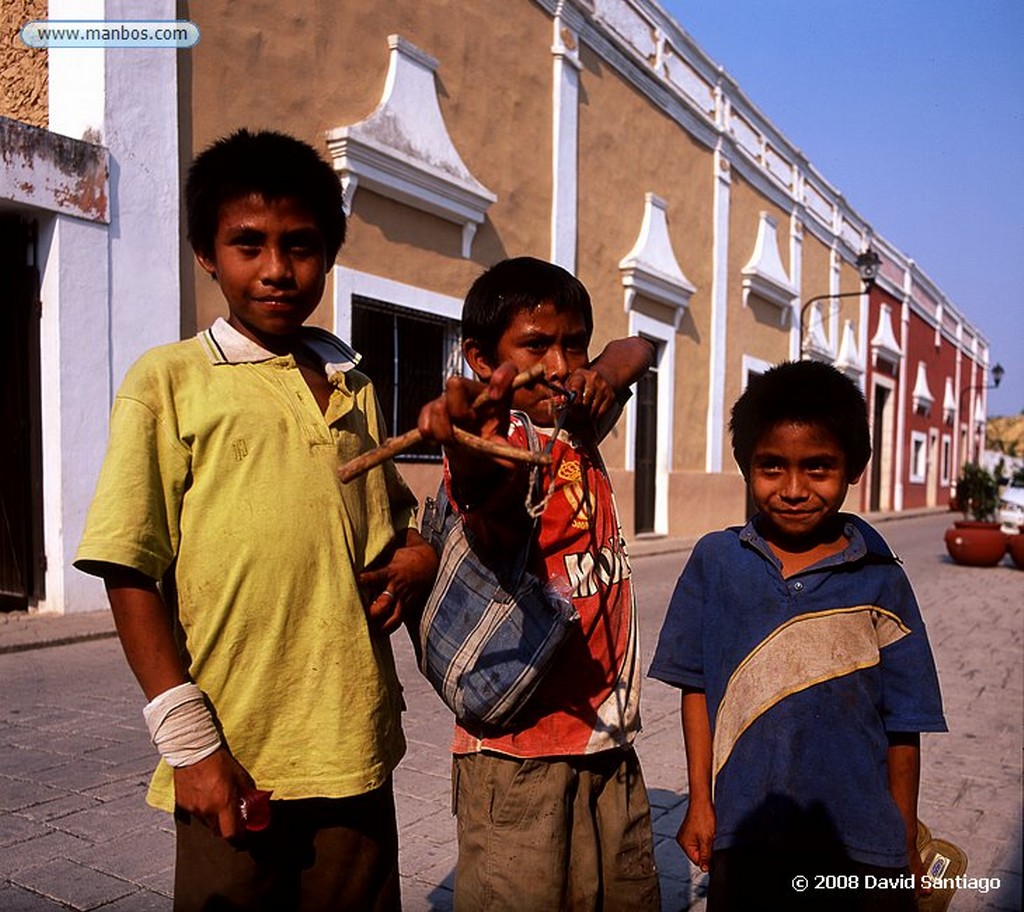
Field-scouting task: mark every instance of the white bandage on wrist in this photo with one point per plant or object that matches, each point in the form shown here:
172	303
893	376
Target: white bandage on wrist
181	726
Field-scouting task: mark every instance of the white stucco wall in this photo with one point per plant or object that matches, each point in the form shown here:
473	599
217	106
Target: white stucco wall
75	397
128	98
109	294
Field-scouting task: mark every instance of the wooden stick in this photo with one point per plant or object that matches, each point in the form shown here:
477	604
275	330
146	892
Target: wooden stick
500	450
395	445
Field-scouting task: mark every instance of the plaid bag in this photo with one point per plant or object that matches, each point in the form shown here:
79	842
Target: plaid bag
490	628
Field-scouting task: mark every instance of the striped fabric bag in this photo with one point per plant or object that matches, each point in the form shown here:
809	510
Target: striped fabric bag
490	629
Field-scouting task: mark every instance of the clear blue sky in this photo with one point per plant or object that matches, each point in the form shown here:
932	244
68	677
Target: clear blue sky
914	111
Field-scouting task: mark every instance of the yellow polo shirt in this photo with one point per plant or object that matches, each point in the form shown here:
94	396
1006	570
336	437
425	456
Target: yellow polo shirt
221	461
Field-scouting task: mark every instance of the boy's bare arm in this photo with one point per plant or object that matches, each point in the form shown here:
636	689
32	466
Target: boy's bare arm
211	788
144	627
904	762
624	361
697	832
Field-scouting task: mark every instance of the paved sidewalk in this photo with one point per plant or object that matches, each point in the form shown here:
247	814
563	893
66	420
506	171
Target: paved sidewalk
74	755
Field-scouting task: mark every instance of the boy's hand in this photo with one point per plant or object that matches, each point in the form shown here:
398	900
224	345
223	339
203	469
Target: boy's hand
401	586
455	407
475	478
697	833
595	395
211	790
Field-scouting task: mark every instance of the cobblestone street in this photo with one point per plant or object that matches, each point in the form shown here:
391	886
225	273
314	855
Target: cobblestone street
74	755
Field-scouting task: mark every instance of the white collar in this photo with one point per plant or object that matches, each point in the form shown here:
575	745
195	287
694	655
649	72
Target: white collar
224	344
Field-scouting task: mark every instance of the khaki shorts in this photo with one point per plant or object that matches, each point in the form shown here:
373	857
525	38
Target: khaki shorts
568	834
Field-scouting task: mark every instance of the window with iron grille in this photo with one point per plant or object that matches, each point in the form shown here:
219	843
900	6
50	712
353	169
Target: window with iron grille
408	354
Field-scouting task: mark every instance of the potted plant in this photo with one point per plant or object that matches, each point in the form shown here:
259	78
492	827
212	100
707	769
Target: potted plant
977	541
1015	548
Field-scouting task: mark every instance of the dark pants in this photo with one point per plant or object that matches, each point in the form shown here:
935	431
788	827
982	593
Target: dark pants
318	854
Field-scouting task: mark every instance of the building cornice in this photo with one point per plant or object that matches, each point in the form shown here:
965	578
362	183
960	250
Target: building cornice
654	54
45	170
403	150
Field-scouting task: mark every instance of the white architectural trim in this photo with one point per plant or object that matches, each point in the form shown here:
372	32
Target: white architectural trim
128	100
752	365
884	346
850	360
764	275
642	324
901	402
816	342
979	410
949	402
946	460
403	150
922	397
918	457
719	323
76	76
350	282
565	89
651	268
890	487
659	60
958	374
796	259
833	305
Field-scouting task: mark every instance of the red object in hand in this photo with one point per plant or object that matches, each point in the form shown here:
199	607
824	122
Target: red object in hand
255	808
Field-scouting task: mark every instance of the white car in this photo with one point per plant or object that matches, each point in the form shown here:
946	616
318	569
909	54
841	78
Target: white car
1011	508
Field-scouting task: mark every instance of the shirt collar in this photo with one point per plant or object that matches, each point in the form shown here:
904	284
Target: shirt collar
861	538
224	344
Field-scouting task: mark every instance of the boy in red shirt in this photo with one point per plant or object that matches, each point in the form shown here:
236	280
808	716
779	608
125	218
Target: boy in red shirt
552	813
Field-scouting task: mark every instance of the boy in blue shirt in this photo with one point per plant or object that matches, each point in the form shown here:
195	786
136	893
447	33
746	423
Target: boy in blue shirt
805	670
265	653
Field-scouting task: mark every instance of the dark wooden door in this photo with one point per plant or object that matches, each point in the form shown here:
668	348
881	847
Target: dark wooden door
646	454
878	406
21	511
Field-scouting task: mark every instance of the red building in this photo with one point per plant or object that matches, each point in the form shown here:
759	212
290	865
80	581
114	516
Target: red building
925	383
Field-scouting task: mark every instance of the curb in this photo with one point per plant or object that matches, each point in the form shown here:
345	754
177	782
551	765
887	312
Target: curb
20	632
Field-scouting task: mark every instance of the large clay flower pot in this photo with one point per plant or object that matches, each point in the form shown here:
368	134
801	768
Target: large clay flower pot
1015	547
976	547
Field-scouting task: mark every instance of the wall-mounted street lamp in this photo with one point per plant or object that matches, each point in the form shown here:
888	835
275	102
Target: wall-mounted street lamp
997	377
867	264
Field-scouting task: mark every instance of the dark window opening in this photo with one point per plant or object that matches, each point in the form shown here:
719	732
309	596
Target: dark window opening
408	355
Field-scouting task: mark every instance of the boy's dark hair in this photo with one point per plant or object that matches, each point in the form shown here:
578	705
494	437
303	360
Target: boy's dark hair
802	392
272	165
521	283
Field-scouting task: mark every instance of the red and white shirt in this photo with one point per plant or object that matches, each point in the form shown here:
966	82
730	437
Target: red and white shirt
589	700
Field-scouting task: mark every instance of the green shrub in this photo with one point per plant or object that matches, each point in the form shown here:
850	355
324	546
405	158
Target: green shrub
977	492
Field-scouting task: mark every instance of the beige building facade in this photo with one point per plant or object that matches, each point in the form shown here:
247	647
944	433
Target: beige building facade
593	133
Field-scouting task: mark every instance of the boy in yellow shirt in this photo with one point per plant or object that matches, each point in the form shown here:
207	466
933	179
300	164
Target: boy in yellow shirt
254	595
